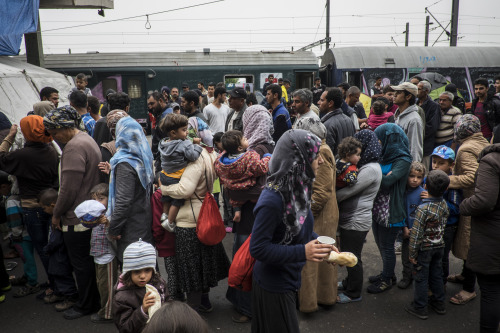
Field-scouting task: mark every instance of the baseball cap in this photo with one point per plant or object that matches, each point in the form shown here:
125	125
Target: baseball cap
238	93
444	152
409	87
174	105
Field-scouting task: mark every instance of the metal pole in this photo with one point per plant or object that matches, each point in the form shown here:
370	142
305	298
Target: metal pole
34	47
427	30
327	24
407	33
454	23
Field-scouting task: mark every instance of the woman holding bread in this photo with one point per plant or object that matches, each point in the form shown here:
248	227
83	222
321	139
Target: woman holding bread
355	206
282	236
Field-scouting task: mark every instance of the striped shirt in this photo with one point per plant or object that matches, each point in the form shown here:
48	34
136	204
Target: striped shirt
428	228
15	216
448	120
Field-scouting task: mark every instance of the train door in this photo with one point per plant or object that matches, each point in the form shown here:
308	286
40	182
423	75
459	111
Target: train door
304	80
354	78
135	87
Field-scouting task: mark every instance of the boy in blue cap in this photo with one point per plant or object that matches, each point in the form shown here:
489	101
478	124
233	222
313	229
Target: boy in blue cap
443	158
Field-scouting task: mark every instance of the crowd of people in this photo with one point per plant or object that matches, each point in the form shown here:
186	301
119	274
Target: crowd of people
84	189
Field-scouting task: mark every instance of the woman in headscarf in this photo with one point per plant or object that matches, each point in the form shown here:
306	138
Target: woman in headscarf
282	236
257	128
42	108
355	206
198	130
36	168
467	133
319	281
108	149
5	125
389	208
130	186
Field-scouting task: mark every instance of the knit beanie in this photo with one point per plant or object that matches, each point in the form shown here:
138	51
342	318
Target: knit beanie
139	255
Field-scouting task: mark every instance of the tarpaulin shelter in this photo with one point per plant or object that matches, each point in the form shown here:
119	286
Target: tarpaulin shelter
16	18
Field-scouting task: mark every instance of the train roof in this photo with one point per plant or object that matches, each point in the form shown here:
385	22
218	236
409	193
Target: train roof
411	57
175	59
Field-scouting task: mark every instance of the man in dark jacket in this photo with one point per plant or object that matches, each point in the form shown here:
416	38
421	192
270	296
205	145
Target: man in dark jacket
157	105
281	117
190	101
120	101
105	106
486	107
317	90
237	103
338	125
432	113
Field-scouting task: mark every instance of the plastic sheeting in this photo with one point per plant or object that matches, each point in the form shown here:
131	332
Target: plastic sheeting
16	18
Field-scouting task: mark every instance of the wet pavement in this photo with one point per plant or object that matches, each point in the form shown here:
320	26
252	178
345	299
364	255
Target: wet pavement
375	313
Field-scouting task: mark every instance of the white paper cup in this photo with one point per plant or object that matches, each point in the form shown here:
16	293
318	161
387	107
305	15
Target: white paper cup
326	240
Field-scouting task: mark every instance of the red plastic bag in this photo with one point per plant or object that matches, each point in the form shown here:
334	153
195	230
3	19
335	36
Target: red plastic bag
210	226
240	272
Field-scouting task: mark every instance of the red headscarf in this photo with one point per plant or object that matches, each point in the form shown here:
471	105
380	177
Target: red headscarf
33	129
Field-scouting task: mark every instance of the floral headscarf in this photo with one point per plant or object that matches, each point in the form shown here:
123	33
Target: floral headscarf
315	126
33	129
112	119
465	126
395	145
63	117
291	175
197	128
132	148
258	126
370	147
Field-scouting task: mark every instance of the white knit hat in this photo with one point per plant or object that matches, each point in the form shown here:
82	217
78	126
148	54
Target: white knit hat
139	255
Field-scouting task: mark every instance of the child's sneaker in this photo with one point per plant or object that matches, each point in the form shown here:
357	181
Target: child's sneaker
27	290
422	314
438	307
163	217
170	227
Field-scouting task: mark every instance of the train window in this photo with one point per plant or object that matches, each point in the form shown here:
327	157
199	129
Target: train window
303	80
239	80
109	84
134	88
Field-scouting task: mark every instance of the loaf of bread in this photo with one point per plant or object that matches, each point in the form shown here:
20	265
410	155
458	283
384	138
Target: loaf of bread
157	304
343	258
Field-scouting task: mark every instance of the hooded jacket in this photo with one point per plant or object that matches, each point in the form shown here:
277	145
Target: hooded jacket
412	125
484	207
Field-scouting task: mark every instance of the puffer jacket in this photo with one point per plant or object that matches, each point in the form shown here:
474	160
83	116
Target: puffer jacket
484	207
338	126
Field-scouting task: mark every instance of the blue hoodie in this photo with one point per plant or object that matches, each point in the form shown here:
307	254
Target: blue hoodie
413	200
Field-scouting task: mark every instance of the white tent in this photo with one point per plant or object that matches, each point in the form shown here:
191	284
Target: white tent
20	84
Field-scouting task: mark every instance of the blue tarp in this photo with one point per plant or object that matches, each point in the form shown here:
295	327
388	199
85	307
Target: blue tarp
16	18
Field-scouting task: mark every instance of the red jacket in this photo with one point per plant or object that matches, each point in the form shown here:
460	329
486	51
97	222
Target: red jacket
242	173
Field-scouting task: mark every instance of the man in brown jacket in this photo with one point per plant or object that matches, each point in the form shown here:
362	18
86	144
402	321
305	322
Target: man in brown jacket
79	173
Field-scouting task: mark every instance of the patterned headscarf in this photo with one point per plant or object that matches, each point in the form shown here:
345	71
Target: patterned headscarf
33	129
42	108
258	126
112	118
465	126
63	117
291	175
370	147
132	148
395	145
315	126
197	128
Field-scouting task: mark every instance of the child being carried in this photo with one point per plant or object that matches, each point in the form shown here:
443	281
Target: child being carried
176	152
349	156
238	170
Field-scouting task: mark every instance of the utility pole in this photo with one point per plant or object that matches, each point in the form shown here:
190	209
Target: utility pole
34	48
407	33
427	30
328	24
454	23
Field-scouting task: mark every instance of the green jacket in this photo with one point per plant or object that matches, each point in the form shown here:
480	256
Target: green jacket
395	183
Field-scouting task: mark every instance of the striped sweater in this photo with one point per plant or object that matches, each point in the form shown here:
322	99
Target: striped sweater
448	120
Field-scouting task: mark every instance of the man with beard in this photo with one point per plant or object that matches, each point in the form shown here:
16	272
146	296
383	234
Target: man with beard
237	103
157	106
301	103
189	102
449	117
486	107
338	125
50	94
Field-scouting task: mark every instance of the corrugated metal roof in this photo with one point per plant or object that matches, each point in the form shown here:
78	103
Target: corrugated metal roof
411	57
155	59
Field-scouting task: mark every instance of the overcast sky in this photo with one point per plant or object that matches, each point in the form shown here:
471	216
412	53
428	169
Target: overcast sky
262	25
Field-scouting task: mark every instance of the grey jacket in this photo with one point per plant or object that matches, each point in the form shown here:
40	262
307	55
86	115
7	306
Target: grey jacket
338	126
131	217
238	122
356	202
176	154
411	123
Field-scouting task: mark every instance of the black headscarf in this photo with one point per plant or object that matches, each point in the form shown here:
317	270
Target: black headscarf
371	149
292	175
